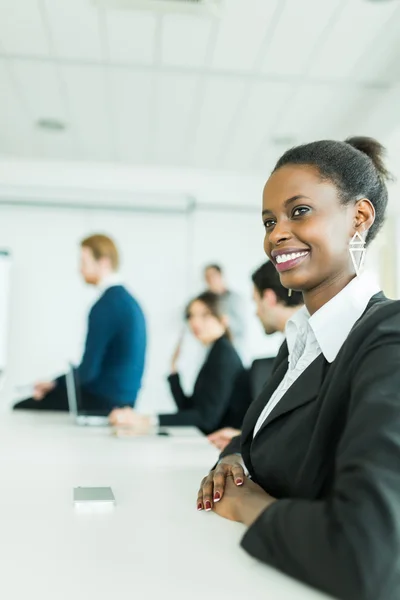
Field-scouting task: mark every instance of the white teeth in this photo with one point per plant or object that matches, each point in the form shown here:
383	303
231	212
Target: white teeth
285	257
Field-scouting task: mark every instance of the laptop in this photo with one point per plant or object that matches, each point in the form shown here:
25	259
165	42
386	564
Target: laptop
78	413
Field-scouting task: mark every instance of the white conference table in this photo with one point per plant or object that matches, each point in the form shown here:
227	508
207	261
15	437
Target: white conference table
153	544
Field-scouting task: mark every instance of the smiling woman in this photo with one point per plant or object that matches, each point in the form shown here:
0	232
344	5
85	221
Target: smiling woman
317	198
321	444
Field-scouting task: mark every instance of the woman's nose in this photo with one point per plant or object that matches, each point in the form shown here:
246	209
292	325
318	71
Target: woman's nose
280	233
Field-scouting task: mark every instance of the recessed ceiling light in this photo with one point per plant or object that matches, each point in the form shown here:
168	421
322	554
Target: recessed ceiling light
51	124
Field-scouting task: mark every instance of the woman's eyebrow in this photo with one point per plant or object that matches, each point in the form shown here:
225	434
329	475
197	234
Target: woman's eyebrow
287	202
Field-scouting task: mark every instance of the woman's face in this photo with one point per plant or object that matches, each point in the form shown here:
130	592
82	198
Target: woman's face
204	326
307	230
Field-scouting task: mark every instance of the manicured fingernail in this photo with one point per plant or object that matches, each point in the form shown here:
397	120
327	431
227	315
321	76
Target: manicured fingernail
217	497
239	481
199	506
208	505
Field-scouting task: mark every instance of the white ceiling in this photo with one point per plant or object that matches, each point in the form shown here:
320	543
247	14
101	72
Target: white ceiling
178	89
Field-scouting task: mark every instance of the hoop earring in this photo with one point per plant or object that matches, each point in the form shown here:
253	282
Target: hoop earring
289	293
357	252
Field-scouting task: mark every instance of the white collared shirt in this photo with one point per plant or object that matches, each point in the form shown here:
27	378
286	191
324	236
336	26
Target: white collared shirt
325	331
109	281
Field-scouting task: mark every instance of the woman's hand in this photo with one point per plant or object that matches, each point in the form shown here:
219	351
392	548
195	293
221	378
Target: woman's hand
176	355
42	388
243	504
129	418
213	486
222	437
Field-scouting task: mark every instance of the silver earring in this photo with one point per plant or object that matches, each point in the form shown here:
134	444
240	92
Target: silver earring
357	252
289	293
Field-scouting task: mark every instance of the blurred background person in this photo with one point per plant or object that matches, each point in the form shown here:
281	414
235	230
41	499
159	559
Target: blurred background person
111	370
232	303
191	353
217	398
274	307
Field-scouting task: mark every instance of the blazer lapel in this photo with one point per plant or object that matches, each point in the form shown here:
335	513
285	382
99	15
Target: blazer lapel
302	391
256	407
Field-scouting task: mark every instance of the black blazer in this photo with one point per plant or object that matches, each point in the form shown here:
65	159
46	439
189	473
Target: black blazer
330	452
259	373
220	396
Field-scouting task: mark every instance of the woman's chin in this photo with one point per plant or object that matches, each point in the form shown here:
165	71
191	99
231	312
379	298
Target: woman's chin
295	283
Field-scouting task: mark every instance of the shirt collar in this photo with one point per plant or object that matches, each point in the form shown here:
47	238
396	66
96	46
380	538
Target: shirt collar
332	323
109	281
295	326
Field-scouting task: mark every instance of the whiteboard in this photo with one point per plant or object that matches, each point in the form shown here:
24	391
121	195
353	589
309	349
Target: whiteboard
5	262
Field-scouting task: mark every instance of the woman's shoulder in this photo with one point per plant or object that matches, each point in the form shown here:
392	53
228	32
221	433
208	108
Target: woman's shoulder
224	348
380	310
380	320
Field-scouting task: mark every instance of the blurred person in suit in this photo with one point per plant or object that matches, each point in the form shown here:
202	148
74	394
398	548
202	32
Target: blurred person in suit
273	308
217	397
112	366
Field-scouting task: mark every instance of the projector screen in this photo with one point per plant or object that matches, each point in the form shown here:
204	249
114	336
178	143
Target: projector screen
5	262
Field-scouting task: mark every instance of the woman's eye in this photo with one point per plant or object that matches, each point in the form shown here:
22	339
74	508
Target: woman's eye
300	210
268	223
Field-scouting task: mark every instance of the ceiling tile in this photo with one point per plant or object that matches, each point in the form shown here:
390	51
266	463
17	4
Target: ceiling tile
376	113
21	28
312	114
15	125
43	95
131	103
74	27
381	60
350	36
89	112
174	108
130	36
289	50
220	105
242	31
313	110
185	40
257	120
41	87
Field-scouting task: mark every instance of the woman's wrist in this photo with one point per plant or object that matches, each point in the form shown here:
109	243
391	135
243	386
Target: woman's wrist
250	507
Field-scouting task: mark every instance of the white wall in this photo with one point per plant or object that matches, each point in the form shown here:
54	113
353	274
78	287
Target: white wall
49	302
86	181
163	256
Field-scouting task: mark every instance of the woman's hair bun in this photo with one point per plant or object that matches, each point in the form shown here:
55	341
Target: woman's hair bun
374	150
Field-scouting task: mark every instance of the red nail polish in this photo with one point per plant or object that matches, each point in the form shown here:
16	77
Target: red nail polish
239	481
199	506
208	505
217	496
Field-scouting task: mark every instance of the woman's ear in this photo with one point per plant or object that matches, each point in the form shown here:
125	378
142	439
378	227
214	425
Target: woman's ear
270	297
364	215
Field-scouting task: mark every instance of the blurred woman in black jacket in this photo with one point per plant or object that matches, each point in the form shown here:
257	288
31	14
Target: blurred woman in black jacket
220	394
